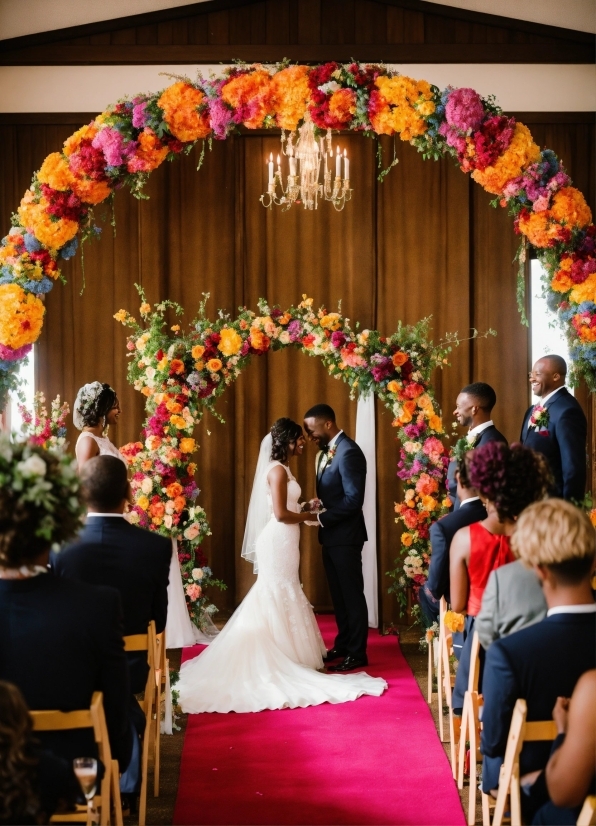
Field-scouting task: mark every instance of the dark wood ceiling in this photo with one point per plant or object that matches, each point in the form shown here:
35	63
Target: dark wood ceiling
405	31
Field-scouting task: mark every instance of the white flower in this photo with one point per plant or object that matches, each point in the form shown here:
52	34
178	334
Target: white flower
147	485
150	372
33	466
167	520
330	87
284	337
133	517
197	574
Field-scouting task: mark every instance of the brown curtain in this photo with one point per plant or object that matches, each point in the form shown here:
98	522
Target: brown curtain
424	242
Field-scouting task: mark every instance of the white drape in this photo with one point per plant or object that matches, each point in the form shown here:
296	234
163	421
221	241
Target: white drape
366	439
180	631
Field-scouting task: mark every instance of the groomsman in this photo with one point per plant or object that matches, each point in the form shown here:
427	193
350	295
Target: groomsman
557	428
473	409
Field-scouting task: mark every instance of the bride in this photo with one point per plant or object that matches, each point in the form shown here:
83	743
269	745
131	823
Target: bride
270	653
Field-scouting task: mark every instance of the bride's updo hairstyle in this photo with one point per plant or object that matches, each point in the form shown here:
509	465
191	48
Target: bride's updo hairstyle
510	477
283	432
94	402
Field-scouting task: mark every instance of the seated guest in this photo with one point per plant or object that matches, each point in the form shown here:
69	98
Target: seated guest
571	771
512	599
34	783
60	640
545	660
442	532
473	409
557	428
110	551
507	479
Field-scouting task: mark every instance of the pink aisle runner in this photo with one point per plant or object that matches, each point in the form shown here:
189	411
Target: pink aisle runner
377	760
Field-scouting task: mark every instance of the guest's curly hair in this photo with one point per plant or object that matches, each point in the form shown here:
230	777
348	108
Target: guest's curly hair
509	477
283	431
92	413
33	516
18	801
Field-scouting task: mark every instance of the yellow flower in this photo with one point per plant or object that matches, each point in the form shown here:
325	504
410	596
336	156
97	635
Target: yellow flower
197	351
393	387
406	539
199	365
331	321
521	152
161	365
453	621
187	445
213	365
143	502
585	291
120	315
175	328
87	132
435	423
21	316
178	421
230	341
55	172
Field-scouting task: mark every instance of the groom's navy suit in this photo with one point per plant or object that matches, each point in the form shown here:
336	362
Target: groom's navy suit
340	486
563	444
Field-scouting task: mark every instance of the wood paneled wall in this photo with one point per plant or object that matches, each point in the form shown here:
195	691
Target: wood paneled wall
424	242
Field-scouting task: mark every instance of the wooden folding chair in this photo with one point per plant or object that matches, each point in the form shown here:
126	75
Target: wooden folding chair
587	816
520	732
440	670
470	729
145	642
448	682
108	798
162	665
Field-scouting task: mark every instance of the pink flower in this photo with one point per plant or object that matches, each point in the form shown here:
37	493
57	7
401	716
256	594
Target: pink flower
193	592
464	109
139	117
115	149
8	354
541	203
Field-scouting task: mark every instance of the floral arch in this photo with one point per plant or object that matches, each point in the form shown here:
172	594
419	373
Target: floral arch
124	144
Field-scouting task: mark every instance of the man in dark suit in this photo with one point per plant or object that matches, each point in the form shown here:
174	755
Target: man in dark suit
442	531
560	430
473	409
110	551
341	481
59	642
543	661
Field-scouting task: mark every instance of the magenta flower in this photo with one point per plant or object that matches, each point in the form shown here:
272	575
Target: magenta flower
115	149
464	109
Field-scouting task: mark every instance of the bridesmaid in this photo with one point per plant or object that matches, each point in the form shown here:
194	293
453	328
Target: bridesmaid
95	409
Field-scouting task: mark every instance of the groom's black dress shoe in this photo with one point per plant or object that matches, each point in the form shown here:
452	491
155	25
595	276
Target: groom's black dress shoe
333	654
349	664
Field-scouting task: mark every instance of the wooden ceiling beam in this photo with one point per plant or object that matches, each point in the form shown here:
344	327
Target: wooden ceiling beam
87	55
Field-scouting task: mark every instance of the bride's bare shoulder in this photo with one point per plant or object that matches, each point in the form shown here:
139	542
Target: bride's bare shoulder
276	473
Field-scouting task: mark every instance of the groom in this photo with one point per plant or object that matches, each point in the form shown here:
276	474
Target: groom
341	478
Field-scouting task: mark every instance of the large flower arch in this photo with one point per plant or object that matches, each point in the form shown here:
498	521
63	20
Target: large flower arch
133	137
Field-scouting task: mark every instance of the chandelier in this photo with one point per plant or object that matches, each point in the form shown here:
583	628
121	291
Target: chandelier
305	154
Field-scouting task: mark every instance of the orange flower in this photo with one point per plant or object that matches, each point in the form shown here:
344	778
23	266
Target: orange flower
180	103
436	423
399	100
174	489
176	366
394	387
259	341
157	509
179	503
399	358
147	464
330	321
214	365
197	351
85	133
521	152
147	391
91	192
585	292
407	539
152	442
21	316
342	105
55	172
173	406
187	445
289	94
410	406
178	422
149	154
570	208
52	234
284	319
192	469
538	229
251	91
429	503
426	485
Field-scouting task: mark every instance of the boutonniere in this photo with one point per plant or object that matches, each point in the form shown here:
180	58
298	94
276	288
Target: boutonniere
463	445
330	454
539	419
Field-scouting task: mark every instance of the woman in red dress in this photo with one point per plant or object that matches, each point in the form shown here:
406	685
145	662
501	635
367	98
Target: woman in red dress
507	479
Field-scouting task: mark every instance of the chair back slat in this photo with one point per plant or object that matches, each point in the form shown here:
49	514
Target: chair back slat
542	730
587	816
61	720
474	673
136	642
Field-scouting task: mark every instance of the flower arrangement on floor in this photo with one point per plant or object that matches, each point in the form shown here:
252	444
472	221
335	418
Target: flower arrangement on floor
124	144
41	429
183	373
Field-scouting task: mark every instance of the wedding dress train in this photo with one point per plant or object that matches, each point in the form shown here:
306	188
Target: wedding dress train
267	655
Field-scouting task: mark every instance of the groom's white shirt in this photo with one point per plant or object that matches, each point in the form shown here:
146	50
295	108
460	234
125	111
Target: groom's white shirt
324	460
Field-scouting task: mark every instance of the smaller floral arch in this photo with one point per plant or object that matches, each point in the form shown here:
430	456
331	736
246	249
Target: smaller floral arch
182	374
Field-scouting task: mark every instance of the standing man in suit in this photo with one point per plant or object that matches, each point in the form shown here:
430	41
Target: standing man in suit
545	660
473	409
112	552
341	480
470	510
557	428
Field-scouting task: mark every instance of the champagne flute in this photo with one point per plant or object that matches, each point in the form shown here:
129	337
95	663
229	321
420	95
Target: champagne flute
85	769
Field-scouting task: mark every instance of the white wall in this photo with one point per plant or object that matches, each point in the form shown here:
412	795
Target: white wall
517	87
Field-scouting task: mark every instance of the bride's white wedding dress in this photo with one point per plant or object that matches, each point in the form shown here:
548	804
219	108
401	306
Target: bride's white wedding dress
268	653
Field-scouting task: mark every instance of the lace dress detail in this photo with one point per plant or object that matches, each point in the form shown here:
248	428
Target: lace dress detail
103	443
268	653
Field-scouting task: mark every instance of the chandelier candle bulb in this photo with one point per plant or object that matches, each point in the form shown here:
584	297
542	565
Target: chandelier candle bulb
271	168
338	164
346	166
